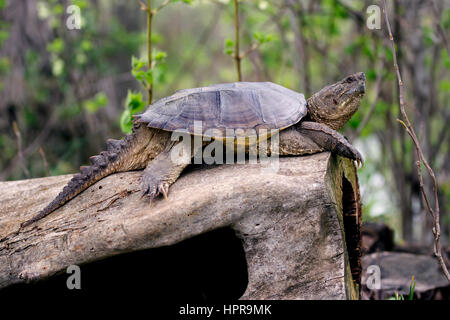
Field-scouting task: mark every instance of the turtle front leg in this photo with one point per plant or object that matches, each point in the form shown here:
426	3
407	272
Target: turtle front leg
164	170
329	139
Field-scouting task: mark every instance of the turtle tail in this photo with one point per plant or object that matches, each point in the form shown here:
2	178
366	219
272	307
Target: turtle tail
102	165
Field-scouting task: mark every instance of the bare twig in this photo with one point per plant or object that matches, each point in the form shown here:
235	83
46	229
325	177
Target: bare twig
31	147
357	14
19	149
237	56
143	6
190	62
148	9
297	17
434	212
250	50
442	138
44	160
149	46
439	27
162	5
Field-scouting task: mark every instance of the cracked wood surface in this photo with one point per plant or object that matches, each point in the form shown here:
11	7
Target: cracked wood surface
290	222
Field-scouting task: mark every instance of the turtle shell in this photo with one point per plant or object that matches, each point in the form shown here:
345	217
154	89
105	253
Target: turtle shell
227	110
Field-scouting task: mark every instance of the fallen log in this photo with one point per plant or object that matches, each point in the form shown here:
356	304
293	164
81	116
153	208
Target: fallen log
299	225
396	270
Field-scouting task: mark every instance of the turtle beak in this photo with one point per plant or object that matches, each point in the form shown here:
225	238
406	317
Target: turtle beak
362	82
362	88
358	89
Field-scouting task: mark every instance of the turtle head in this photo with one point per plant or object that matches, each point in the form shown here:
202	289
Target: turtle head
335	104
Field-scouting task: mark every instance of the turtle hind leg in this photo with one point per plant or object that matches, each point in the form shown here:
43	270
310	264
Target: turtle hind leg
159	175
165	169
329	139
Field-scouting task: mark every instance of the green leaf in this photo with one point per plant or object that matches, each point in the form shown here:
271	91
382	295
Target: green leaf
137	63
139	75
83	4
126	122
3	36
56	46
444	85
57	9
261	38
368	51
148	76
99	101
133	104
229	46
156	38
428	36
5	65
412	286
86	45
371	74
158	55
57	67
445	58
388	54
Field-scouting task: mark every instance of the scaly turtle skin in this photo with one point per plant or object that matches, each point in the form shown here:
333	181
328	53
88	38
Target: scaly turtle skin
226	112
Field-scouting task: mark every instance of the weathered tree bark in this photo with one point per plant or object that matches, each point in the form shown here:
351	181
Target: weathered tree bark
396	271
291	222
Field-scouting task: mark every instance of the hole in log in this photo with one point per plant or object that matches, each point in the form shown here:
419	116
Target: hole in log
208	267
351	214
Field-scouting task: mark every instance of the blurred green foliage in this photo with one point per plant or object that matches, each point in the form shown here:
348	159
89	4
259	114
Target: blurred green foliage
77	87
134	104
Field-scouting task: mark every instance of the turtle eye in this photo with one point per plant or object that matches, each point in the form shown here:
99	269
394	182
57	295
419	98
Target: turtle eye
350	79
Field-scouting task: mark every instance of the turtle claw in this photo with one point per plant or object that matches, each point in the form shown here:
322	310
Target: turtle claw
359	162
164	189
152	189
153	193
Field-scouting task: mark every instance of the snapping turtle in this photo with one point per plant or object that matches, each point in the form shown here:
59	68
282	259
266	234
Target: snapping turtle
226	112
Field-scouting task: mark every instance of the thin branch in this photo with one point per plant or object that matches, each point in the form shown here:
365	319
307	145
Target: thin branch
162	5
237	56
442	138
19	149
149	46
439	27
359	17
254	46
148	9
143	6
44	160
189	63
421	159
296	17
31	147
